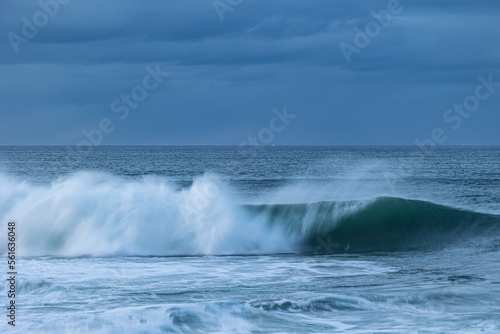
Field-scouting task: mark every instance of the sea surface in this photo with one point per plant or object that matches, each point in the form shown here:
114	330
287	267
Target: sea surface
252	239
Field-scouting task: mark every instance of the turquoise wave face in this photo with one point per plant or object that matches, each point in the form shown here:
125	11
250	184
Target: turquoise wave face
384	223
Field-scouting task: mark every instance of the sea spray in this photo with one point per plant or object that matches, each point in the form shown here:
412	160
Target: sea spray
94	213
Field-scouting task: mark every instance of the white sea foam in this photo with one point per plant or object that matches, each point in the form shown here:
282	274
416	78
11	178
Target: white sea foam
92	213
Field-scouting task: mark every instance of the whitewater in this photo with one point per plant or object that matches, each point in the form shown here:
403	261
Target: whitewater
208	239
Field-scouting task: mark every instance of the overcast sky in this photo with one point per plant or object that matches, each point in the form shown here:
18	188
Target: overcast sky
231	62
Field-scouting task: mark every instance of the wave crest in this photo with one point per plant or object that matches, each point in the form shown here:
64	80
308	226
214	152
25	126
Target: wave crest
100	214
383	223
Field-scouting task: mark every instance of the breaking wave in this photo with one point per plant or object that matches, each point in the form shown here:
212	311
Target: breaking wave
98	214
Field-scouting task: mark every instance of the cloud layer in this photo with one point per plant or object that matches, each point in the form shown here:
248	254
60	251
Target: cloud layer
226	76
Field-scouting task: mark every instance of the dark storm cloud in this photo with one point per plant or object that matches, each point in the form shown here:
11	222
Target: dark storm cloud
227	76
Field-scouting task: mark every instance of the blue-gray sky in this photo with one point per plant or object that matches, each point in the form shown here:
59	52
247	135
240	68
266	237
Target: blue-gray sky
227	75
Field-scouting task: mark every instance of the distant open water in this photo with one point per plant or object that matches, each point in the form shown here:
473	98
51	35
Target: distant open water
268	240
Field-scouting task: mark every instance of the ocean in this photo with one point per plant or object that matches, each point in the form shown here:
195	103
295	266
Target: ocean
154	239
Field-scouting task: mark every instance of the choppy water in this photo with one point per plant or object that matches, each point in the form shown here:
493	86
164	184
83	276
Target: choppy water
270	240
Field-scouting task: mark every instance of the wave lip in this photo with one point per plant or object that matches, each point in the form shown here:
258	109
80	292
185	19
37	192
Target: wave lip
384	223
